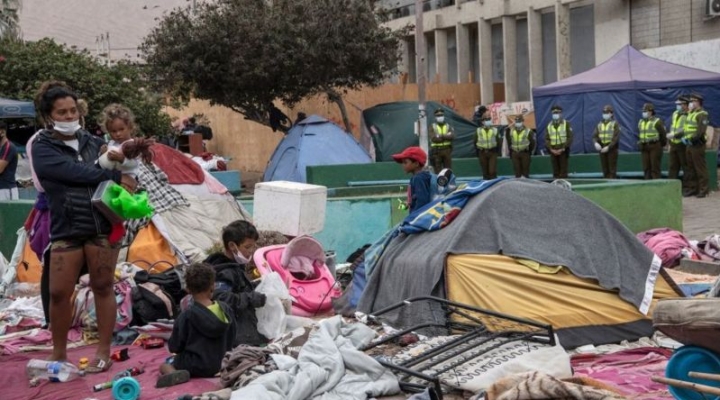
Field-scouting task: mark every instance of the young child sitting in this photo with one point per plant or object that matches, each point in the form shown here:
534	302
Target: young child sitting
123	151
233	286
202	334
413	161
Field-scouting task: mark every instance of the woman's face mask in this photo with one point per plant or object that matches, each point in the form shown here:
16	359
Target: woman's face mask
440	119
606	116
487	122
645	114
556	117
692	105
518	124
67	128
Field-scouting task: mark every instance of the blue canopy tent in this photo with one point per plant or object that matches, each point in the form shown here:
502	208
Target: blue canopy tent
626	81
16	109
313	141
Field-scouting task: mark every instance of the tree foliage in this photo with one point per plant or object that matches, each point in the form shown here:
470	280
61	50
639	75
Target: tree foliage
246	54
24	66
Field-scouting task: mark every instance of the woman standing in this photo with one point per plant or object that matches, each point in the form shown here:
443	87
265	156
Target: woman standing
64	160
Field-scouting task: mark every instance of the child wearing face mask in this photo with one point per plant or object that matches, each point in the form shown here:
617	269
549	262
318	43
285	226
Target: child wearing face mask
232	285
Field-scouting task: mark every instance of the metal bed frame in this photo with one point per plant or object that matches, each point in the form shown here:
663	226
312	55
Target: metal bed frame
479	331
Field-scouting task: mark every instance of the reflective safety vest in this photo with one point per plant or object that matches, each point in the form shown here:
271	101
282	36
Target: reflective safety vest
691	123
606	130
558	136
441	130
486	138
678	121
520	139
648	132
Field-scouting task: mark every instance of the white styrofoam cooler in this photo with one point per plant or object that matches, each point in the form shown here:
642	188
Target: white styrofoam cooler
292	208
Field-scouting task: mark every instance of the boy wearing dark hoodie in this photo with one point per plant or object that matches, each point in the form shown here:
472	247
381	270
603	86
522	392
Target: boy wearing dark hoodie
201	335
232	284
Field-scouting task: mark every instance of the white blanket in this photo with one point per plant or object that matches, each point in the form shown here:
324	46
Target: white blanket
329	367
484	367
195	229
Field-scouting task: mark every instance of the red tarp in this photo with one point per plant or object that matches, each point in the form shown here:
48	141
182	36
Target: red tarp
179	168
14	382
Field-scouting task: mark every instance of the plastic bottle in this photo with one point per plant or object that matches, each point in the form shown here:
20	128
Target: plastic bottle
54	371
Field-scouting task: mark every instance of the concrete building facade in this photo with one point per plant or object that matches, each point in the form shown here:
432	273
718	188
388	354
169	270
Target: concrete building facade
510	46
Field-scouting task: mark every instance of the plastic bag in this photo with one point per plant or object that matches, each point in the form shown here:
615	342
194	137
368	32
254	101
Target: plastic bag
272	319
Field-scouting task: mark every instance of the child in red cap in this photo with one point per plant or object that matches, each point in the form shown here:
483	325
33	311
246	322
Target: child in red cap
413	161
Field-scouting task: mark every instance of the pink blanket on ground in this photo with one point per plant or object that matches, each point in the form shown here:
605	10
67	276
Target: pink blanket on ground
666	243
628	370
14	382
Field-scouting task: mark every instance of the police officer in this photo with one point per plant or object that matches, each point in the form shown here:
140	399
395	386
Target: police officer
521	142
488	143
441	142
677	150
558	139
605	138
651	140
694	139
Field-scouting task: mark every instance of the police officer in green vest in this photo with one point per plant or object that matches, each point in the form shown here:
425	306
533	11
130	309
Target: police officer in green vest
677	150
558	138
651	140
521	142
441	142
695	138
488	143
605	139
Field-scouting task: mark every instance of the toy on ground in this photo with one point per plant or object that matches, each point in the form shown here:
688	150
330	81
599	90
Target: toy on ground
301	265
117	382
152	343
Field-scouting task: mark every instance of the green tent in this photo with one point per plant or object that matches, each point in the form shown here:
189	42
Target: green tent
390	128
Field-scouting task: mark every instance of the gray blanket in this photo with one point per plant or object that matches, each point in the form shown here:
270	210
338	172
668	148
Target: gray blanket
329	367
518	218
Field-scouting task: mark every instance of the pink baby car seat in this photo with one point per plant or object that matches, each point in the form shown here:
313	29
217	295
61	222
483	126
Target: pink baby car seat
301	265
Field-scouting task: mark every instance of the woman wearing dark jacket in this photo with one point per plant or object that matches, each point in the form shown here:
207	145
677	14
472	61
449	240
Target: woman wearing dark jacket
64	159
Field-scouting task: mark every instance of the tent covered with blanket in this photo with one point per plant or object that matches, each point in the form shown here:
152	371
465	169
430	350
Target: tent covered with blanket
191	208
389	128
523	248
626	81
313	141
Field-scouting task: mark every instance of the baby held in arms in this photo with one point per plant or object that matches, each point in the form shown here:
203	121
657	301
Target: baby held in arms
124	151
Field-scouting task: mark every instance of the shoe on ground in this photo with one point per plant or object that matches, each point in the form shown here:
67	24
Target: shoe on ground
690	194
173	378
701	195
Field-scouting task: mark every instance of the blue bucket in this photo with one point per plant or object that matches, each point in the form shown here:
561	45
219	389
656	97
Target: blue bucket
695	359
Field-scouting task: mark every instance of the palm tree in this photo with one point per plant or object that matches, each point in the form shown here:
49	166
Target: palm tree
9	19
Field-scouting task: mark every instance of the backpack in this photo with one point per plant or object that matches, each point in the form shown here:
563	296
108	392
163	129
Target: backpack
150	303
170	281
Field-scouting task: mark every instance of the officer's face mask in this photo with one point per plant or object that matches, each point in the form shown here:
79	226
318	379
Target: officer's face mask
556	116
440	119
518	125
692	105
678	107
606	116
487	122
645	114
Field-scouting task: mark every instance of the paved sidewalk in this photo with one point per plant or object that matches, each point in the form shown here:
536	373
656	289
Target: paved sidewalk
701	217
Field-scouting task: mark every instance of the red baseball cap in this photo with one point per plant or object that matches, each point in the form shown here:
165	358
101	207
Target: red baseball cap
413	153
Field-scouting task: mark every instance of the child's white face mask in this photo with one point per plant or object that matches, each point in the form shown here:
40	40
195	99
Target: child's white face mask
240	258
